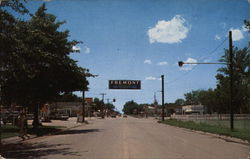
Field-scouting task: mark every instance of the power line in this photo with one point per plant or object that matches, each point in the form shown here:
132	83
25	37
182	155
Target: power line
181	76
201	58
213	51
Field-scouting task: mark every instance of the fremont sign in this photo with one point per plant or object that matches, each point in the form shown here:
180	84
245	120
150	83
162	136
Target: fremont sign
124	84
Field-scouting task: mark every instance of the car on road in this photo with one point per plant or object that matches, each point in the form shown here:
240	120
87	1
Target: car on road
125	116
113	116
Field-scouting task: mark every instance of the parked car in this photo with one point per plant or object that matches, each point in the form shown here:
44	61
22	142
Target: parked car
10	117
113	116
58	116
125	116
62	117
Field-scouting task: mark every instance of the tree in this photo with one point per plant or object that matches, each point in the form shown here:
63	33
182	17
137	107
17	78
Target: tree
179	102
130	107
209	98
97	104
8	39
68	97
109	106
42	68
241	79
192	97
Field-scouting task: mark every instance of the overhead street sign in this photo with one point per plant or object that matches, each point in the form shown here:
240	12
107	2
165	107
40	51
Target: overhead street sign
124	84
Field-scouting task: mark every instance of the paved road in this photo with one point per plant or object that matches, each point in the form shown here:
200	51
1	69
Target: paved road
130	138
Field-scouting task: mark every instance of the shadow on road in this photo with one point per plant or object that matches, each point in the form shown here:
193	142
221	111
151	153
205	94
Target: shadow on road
78	131
36	150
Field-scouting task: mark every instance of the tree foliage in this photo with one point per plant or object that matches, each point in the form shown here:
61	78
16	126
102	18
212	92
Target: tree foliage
179	102
241	79
109	106
131	107
9	41
35	63
68	97
41	68
97	104
218	99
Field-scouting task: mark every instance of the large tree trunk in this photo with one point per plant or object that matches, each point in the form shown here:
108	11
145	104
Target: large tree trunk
36	119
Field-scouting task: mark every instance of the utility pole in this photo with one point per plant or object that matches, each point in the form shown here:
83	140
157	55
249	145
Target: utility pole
0	118
108	111
162	91
231	81
103	94
83	105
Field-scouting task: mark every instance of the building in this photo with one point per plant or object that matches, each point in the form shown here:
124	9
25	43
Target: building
193	109
70	108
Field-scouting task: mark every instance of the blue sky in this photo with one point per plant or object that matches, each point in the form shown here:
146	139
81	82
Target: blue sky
144	39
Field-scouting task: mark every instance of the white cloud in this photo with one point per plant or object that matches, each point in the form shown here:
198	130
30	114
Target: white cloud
76	48
172	31
237	34
187	67
87	50
162	63
148	61
217	37
151	78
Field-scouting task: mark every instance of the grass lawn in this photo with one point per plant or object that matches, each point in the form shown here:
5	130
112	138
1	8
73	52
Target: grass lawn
12	130
9	131
238	133
238	124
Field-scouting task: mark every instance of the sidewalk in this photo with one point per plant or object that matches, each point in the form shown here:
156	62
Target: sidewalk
70	123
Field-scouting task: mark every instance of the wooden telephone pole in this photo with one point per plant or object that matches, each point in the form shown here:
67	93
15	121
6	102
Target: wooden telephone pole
162	91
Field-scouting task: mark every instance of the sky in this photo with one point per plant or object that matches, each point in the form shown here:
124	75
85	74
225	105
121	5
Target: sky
144	39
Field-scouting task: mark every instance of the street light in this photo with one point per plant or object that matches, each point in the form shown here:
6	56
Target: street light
230	64
181	63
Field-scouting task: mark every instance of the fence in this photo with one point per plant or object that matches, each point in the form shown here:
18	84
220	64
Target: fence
241	121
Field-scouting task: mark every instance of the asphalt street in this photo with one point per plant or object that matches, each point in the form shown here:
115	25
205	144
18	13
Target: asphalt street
130	138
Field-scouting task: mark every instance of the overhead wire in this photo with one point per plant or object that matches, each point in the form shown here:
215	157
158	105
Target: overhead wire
176	79
201	58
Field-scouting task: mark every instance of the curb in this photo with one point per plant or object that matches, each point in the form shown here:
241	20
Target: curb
223	137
